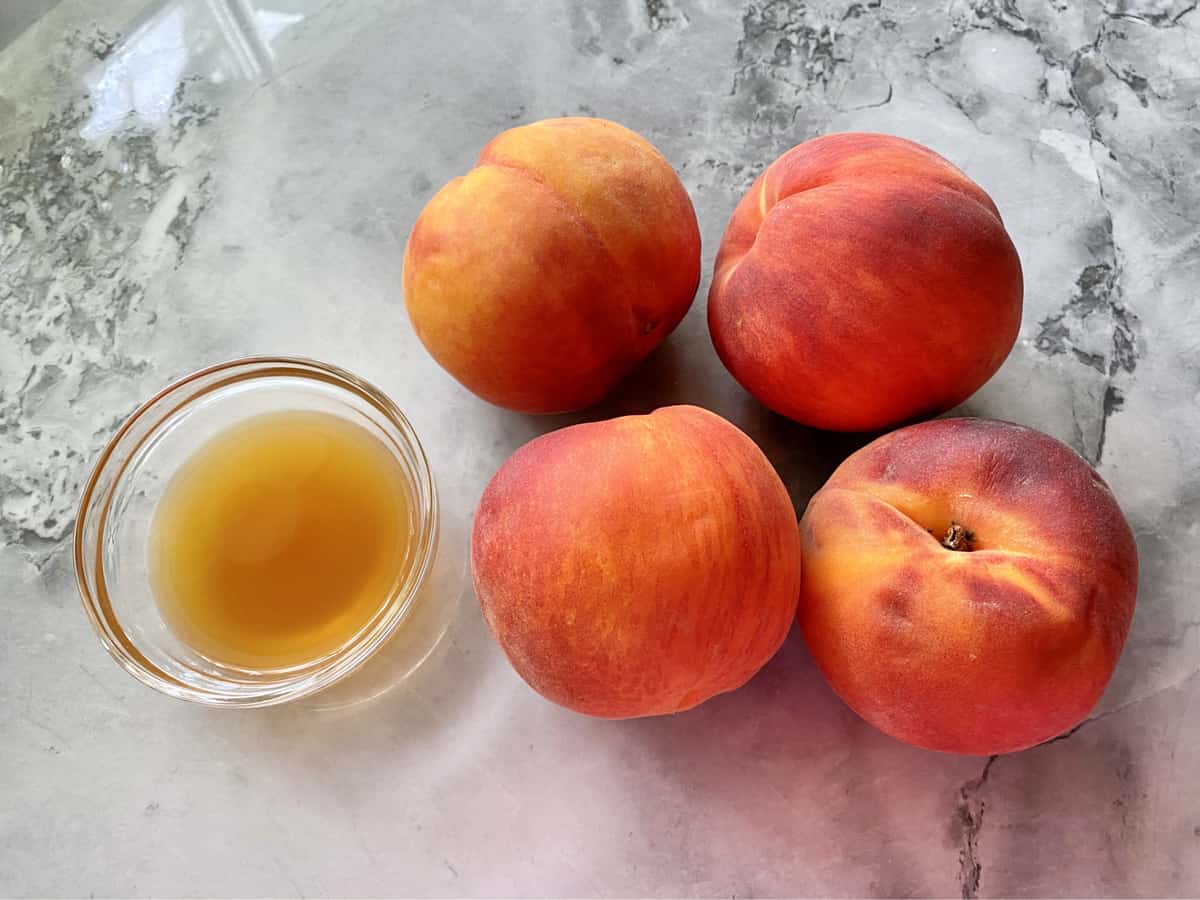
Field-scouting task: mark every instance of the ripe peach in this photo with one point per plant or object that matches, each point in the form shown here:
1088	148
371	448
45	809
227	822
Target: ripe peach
968	585
863	281
637	566
546	273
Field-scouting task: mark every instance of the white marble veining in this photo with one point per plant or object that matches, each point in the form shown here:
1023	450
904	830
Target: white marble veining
197	180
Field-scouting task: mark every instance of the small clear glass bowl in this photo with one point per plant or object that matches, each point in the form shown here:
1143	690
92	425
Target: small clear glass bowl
112	528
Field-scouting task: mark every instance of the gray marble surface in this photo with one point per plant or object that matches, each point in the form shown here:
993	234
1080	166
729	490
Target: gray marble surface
17	15
198	180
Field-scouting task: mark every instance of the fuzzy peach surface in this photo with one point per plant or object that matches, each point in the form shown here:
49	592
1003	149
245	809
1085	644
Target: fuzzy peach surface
637	566
982	651
545	274
864	281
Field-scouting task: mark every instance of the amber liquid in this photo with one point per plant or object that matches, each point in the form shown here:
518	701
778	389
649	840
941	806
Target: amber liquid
279	539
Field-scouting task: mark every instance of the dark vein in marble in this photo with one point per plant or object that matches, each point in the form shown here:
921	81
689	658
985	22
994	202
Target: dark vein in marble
1113	401
966	824
662	14
884	102
1098	294
785	51
1066	734
1155	19
967	819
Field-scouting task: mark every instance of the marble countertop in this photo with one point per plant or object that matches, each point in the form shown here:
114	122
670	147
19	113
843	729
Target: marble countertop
198	180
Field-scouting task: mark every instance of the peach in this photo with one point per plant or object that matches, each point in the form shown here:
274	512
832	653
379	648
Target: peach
546	273
864	281
968	585
637	566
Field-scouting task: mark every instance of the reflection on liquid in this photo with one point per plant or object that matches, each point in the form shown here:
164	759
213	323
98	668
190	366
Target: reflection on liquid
217	40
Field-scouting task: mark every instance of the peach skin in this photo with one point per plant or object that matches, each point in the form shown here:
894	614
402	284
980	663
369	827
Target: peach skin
545	274
968	585
864	281
637	566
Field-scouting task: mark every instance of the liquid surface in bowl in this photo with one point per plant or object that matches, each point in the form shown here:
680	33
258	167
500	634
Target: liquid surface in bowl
280	538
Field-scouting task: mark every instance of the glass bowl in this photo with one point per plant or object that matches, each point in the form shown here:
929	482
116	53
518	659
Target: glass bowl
112	528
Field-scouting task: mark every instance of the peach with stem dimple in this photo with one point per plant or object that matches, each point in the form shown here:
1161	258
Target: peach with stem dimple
968	585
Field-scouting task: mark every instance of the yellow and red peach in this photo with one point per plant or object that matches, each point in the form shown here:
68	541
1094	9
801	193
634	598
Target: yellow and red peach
864	281
546	273
968	585
637	566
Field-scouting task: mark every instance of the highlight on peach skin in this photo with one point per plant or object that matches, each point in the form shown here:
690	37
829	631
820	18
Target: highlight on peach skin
545	274
640	565
968	585
864	281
